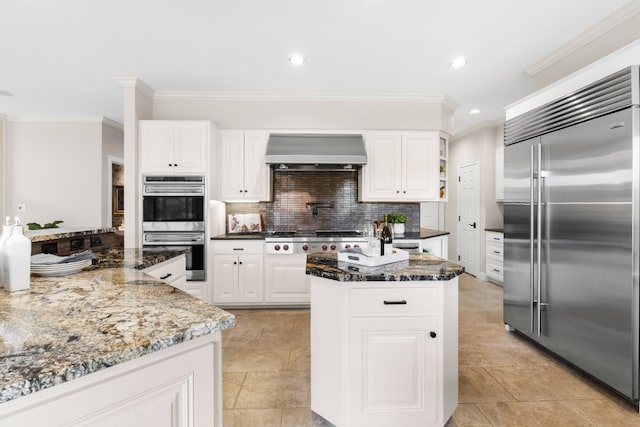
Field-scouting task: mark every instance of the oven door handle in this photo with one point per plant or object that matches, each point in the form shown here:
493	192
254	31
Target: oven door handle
173	239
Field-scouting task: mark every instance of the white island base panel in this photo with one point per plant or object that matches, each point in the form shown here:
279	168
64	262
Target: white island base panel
384	364
177	386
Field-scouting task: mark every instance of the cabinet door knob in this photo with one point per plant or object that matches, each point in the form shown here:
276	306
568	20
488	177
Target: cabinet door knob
397	191
432	334
235	263
240	263
245	191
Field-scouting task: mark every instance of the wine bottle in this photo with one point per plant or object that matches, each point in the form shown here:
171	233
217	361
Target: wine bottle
386	238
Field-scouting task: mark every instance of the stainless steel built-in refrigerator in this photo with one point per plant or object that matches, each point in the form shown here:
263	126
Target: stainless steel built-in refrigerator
571	228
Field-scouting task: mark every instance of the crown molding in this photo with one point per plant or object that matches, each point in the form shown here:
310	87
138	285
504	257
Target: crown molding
301	96
609	23
134	82
474	128
65	119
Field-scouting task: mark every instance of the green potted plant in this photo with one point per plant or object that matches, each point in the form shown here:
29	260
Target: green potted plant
398	220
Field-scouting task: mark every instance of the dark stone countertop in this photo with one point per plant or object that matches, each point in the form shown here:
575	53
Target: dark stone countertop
67	327
424	233
48	234
418	267
496	230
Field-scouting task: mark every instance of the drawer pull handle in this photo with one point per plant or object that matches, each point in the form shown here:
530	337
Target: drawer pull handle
496	252
496	270
166	276
401	302
496	238
238	249
433	334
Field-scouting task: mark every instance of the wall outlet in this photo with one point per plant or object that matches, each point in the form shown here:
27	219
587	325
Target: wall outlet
22	207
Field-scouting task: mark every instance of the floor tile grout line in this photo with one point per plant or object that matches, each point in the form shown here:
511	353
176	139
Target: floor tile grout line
235	401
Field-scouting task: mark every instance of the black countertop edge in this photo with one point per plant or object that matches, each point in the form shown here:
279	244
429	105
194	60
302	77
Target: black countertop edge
419	267
495	230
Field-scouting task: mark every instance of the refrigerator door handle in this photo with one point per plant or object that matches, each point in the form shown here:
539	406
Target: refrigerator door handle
539	236
531	238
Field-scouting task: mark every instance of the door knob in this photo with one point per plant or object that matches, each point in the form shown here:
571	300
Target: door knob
472	225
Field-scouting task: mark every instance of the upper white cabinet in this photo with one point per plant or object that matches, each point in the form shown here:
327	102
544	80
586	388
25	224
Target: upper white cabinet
173	147
500	174
243	172
401	166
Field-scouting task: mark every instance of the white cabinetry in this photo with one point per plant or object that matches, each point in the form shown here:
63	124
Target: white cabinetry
401	166
494	256
173	147
438	246
285	280
243	172
384	356
500	174
237	272
172	272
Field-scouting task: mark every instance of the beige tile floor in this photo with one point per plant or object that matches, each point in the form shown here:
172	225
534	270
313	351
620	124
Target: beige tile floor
504	380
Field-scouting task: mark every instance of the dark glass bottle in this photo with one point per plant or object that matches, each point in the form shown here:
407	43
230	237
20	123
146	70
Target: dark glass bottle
386	237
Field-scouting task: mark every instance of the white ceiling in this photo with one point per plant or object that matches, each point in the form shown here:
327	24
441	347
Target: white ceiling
60	57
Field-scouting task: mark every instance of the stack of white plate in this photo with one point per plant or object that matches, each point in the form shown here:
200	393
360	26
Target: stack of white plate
61	269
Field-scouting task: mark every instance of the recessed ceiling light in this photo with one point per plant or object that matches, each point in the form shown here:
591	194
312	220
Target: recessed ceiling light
296	60
474	111
5	93
459	62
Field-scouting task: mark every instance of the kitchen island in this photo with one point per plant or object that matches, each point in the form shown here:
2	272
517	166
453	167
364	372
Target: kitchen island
384	341
110	345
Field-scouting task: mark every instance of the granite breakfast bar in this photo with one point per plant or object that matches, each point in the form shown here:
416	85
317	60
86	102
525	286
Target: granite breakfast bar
384	341
110	345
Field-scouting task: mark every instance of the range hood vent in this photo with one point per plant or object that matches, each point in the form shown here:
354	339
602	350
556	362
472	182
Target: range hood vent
287	152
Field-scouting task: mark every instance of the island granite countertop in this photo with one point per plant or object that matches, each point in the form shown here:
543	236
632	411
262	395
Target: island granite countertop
67	327
46	234
417	268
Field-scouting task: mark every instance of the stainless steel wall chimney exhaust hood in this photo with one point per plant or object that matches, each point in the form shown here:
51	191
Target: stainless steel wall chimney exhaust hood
315	152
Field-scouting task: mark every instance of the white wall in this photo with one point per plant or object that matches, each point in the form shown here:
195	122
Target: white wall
479	145
53	167
2	167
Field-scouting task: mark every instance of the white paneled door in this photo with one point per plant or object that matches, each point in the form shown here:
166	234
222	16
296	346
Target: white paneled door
469	217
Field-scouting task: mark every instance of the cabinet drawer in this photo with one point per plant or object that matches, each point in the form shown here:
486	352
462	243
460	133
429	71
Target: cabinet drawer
494	269
495	251
493	236
238	247
392	301
169	271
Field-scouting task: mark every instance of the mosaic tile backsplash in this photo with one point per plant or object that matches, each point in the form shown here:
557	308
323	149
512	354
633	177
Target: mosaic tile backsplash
336	197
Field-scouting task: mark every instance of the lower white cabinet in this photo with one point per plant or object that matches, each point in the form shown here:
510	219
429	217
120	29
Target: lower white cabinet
172	272
243	276
176	386
384	355
438	246
285	280
494	254
238	272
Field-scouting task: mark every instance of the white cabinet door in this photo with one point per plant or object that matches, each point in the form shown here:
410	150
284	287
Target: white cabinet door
420	166
173	147
285	279
243	172
225	278
231	164
401	166
381	177
250	278
500	174
256	171
190	147
393	371
156	147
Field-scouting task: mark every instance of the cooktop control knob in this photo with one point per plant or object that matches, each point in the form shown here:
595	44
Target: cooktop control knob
276	247
285	247
356	245
333	247
324	247
347	246
305	247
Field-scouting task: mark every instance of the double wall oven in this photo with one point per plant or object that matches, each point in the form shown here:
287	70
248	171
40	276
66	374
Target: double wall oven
173	217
